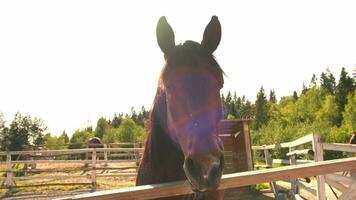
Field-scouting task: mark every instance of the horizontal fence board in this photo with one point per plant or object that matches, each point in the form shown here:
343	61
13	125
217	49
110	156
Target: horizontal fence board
72	151
297	142
50	177
340	147
301	152
339	178
45	184
287	162
72	161
116	175
228	181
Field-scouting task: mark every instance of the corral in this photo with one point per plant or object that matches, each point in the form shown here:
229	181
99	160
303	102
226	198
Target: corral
102	163
322	169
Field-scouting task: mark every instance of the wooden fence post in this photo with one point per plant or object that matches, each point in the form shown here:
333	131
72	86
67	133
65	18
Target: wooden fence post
137	155
105	154
93	171
9	173
318	156
267	158
292	161
247	138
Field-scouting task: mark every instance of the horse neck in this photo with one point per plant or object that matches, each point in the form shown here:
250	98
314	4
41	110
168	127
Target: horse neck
161	145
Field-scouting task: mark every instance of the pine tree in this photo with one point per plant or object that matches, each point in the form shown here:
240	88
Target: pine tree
3	133
305	88
223	105
24	130
238	107
247	110
272	96
313	81
116	121
228	101
295	95
233	110
134	115
327	81
142	116
65	137
101	126
261	116
344	87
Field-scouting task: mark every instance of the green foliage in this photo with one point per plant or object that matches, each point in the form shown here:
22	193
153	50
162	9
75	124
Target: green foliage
295	95
327	82
80	138
116	121
349	122
53	142
262	186
261	116
236	107
328	113
101	126
316	109
230	116
64	137
23	130
272	97
3	133
111	135
344	87
129	131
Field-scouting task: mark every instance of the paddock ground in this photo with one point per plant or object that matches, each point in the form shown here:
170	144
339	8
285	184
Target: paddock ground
50	192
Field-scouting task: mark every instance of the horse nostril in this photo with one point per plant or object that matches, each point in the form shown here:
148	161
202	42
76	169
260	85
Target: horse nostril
192	168
214	172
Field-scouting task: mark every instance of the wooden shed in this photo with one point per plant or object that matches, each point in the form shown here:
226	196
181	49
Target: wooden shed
235	135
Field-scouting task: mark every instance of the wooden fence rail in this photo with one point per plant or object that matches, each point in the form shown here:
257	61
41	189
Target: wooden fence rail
228	181
130	154
317	152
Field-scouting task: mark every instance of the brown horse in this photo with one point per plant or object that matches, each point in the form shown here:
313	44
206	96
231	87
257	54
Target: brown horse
182	138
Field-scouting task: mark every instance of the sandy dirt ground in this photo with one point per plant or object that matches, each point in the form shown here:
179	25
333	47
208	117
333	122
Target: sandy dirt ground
45	193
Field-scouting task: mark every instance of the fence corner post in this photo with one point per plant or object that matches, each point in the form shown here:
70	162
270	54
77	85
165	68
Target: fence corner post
318	156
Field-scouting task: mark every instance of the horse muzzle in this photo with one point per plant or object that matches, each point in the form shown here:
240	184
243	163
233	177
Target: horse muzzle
204	172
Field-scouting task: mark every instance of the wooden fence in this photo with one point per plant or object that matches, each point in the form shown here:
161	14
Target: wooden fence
90	164
340	182
228	181
322	169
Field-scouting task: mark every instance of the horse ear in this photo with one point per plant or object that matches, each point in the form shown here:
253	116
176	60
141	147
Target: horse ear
165	35
212	35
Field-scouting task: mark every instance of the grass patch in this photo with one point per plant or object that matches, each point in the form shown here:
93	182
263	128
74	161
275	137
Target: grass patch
262	186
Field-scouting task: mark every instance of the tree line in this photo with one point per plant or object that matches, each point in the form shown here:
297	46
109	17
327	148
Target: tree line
325	105
27	130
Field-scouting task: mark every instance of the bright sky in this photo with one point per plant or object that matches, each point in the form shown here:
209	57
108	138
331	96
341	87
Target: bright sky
70	62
